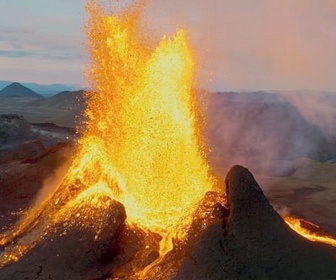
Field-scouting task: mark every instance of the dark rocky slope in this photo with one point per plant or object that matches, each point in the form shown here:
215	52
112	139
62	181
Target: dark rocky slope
243	238
251	242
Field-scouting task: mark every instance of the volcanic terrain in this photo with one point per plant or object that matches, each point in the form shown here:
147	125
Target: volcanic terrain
240	238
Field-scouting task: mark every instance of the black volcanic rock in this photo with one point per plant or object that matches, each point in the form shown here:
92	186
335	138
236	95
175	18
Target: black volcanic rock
18	90
255	243
20	182
79	246
246	241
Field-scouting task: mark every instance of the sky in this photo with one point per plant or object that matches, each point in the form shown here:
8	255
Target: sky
238	44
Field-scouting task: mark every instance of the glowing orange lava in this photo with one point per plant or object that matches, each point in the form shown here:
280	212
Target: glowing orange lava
141	141
142	122
316	236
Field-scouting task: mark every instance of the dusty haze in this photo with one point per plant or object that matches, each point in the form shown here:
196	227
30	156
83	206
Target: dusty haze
260	44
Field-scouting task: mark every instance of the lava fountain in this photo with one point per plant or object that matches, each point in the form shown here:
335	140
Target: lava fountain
142	118
141	145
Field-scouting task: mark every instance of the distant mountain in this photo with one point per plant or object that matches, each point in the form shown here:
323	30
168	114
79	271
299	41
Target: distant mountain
63	100
67	108
45	90
18	90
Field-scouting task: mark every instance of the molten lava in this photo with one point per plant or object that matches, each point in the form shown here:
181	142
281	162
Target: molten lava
142	137
141	144
312	233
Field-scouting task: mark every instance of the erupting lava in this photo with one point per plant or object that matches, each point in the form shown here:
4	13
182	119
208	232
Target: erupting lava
141	145
141	142
142	123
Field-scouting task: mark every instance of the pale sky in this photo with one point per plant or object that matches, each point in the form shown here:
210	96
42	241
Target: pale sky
239	44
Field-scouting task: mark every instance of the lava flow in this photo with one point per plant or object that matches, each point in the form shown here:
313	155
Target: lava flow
141	144
309	231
